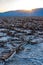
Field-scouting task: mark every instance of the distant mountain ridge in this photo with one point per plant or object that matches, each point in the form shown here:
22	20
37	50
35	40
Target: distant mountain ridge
34	12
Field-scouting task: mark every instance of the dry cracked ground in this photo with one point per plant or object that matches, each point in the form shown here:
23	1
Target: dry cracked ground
21	40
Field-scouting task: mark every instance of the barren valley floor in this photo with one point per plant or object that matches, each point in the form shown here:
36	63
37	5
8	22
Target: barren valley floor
21	40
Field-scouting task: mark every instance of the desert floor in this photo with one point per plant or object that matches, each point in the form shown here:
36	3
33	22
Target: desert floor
21	40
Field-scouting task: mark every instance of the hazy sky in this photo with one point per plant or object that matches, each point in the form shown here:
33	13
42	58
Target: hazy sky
6	5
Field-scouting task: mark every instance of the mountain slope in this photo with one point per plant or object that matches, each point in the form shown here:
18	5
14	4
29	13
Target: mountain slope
34	12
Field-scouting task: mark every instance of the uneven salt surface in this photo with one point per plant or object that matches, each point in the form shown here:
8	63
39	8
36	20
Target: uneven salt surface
31	54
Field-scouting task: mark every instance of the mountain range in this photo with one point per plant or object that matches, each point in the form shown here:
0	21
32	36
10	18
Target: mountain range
34	12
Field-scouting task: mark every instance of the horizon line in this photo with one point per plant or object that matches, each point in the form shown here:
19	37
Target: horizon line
20	10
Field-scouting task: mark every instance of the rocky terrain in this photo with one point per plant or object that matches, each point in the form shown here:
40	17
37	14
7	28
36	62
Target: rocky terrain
21	40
